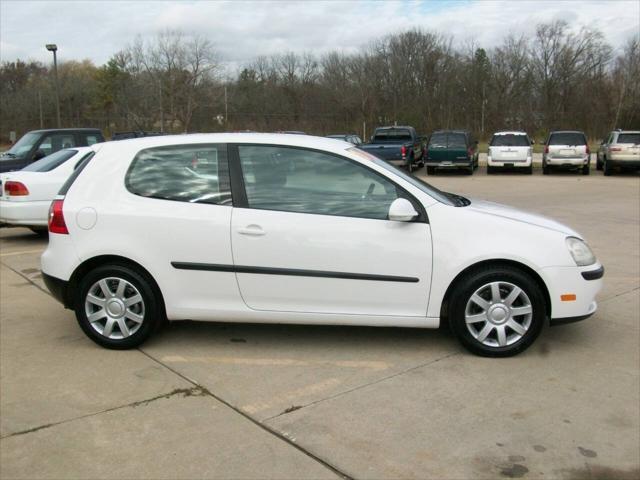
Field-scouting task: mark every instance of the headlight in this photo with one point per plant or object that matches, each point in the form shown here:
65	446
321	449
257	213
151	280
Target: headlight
580	252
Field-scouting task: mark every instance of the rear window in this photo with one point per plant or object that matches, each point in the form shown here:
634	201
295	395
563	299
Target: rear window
184	173
438	140
567	138
76	173
392	135
633	138
50	162
510	140
457	140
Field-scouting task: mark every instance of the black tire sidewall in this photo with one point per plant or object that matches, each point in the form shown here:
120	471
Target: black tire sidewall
468	285
152	305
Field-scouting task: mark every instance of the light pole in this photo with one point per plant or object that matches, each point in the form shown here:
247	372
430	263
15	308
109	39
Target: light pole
52	47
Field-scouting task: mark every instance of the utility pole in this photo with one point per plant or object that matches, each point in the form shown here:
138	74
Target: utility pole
52	47
226	107
482	114
161	107
40	108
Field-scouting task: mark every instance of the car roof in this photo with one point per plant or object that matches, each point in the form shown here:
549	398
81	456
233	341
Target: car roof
275	139
566	131
511	132
393	126
627	131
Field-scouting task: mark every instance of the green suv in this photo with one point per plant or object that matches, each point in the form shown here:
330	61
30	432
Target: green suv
452	149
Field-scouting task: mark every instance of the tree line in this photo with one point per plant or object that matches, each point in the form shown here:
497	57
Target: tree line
555	78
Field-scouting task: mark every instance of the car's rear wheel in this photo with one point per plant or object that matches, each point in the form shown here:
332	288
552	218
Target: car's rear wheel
118	307
598	164
545	169
529	170
497	311
585	170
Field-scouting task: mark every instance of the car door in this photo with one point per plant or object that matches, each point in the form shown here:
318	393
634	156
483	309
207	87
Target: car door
311	234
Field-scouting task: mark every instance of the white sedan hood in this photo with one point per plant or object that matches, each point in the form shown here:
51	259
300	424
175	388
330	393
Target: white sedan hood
511	213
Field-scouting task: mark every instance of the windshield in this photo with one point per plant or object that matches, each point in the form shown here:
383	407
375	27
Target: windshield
629	138
24	145
567	138
430	190
510	140
392	135
50	162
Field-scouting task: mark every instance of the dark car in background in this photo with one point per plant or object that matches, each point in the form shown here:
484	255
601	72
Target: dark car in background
135	134
399	145
38	144
347	137
452	149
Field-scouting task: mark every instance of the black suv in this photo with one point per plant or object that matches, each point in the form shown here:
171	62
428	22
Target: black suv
36	144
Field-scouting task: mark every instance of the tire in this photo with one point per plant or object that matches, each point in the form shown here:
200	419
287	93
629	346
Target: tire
585	170
431	170
491	170
598	164
469	169
125	331
529	170
479	283
608	169
545	170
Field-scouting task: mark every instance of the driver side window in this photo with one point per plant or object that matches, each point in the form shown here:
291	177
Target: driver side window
297	180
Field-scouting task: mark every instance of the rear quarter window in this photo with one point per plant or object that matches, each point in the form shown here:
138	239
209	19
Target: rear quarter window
184	173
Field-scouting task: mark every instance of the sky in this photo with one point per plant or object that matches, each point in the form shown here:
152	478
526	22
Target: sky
243	30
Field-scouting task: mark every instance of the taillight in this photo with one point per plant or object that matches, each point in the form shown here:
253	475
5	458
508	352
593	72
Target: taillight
56	218
588	151
470	151
546	149
403	151
615	149
15	189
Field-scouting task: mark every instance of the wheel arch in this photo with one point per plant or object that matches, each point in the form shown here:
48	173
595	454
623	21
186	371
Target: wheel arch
99	260
495	263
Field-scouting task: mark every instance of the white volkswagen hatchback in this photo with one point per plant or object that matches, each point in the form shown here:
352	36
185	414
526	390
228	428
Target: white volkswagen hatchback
299	229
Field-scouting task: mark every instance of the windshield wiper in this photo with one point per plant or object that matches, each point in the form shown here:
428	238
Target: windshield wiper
8	154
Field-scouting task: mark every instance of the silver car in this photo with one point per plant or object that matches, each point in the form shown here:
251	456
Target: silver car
620	149
568	150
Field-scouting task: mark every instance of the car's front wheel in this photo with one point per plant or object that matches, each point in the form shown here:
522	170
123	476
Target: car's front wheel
497	311
118	307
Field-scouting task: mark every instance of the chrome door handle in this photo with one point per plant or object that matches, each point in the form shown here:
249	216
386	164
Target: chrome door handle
252	230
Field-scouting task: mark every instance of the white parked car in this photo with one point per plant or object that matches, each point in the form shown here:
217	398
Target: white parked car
566	150
247	228
25	195
620	149
510	150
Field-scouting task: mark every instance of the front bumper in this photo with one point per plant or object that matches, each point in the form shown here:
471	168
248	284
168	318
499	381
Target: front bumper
581	284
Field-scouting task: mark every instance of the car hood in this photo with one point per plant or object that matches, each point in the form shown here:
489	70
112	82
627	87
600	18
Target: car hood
511	213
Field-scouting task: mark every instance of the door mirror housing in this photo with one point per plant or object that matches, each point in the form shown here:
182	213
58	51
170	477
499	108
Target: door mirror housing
401	210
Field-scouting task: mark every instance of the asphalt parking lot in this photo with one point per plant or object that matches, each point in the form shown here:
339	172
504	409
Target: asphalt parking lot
205	400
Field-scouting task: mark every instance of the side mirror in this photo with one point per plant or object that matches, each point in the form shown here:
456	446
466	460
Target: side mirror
401	210
39	154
